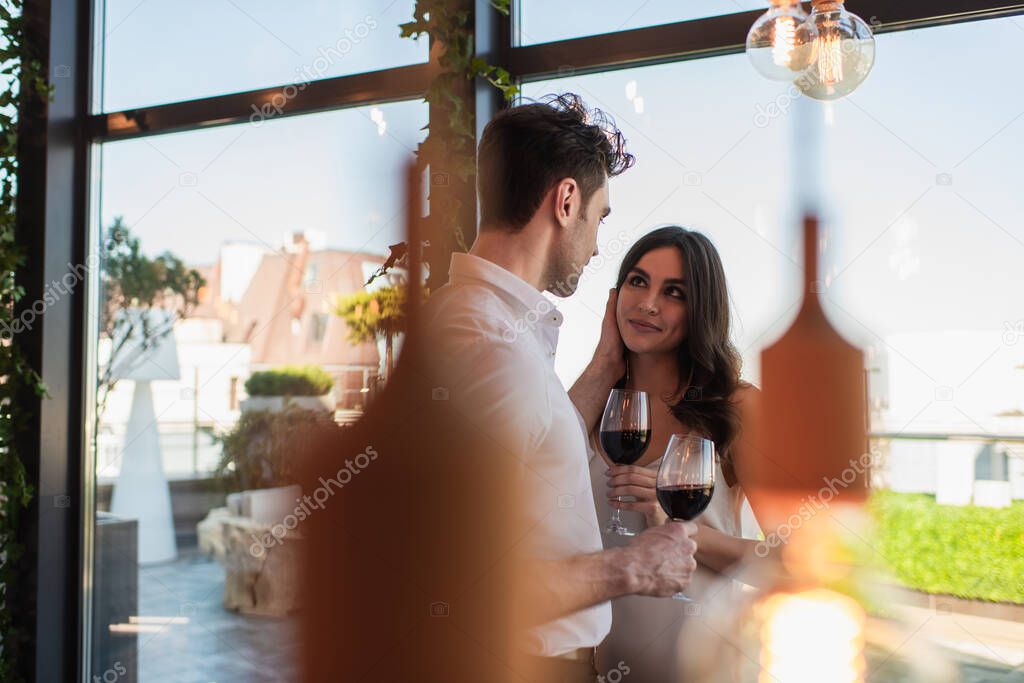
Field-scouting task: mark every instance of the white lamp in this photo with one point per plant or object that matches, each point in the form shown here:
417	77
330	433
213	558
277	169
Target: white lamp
141	491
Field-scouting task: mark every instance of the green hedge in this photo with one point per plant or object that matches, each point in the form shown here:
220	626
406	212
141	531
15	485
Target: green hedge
289	380
970	551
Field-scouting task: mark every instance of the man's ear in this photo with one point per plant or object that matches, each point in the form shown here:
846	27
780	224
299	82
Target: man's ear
567	199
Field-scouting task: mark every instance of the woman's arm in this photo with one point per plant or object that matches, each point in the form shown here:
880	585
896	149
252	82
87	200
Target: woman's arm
590	392
719	551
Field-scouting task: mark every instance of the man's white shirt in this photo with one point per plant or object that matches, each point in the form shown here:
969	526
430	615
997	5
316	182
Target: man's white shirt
498	337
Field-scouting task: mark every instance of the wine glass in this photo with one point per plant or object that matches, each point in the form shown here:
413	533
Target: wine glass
625	435
686	479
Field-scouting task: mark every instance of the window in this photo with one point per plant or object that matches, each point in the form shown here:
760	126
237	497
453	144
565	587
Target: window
279	219
317	327
157	52
921	262
310	277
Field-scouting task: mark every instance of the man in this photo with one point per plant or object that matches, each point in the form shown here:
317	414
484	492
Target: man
543	171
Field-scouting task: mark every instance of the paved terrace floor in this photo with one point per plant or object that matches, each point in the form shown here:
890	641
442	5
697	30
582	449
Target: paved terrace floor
217	646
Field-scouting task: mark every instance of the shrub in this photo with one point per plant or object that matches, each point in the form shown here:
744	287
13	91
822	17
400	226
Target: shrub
262	448
307	380
968	551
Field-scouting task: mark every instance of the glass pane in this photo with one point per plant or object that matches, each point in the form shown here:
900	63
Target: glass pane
922	268
281	220
157	52
544	22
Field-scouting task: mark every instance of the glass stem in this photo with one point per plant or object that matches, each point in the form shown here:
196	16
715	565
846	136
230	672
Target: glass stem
617	513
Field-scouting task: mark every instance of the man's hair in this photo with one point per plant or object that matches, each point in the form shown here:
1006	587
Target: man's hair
525	150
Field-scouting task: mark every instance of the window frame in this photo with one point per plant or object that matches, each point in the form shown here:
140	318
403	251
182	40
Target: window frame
57	174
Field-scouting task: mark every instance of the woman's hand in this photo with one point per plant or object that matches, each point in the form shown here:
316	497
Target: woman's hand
610	349
638	482
590	391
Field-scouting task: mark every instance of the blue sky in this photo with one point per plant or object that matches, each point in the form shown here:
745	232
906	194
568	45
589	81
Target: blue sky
162	51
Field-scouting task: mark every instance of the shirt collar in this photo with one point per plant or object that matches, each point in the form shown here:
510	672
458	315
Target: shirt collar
469	267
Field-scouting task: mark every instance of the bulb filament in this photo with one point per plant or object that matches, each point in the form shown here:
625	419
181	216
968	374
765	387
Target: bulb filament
830	56
784	41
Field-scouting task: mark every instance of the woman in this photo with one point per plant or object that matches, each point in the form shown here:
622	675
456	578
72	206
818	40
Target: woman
666	331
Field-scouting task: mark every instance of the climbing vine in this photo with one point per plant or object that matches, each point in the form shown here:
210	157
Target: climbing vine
450	145
23	78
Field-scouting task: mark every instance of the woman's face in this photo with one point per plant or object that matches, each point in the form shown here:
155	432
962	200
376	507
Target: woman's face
651	309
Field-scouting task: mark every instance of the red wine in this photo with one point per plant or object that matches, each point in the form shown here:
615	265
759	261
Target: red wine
625	447
685	501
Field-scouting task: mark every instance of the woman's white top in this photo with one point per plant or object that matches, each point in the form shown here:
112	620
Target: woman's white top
645	631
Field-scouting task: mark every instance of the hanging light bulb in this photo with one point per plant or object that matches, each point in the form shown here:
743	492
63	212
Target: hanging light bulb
842	51
773	44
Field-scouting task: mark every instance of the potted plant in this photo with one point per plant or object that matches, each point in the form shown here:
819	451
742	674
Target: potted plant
258	451
306	387
252	537
370	316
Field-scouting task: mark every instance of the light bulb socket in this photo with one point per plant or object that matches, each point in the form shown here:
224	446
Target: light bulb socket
826	5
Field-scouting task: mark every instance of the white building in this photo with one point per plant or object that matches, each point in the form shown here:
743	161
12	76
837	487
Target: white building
954	425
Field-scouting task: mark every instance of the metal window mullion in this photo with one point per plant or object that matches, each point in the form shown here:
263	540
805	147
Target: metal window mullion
388	85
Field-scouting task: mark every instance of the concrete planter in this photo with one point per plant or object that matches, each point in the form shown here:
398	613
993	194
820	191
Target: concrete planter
257	541
262	572
276	404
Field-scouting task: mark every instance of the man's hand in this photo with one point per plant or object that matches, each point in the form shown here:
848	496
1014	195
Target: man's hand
610	349
661	559
638	482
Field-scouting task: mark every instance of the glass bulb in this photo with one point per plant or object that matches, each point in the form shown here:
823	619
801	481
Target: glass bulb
774	44
842	52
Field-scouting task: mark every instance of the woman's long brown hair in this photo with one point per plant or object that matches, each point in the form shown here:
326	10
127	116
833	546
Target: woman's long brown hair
709	364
